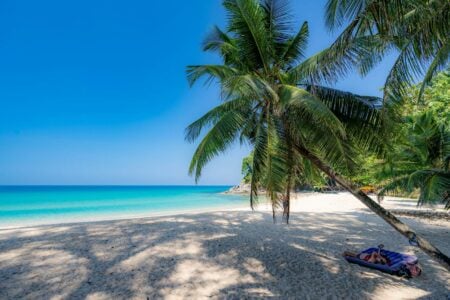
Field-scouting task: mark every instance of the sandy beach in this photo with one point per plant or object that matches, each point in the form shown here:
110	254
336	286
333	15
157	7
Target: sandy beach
225	254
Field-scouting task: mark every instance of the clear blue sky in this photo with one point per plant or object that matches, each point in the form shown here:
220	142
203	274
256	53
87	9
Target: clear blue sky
94	92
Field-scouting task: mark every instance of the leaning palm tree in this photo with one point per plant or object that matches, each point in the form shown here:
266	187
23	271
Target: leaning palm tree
282	114
416	31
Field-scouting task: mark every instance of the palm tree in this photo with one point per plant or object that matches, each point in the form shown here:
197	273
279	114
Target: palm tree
284	115
417	31
421	162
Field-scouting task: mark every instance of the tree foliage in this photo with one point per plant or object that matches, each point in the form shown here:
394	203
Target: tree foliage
419	160
246	171
267	103
436	99
276	100
417	31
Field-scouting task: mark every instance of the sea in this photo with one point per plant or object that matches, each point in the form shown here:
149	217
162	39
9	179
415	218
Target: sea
35	205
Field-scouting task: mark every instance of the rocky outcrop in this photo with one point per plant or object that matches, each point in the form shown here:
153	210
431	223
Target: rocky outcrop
243	188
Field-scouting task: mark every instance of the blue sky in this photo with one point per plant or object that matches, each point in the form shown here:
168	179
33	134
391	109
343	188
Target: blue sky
94	92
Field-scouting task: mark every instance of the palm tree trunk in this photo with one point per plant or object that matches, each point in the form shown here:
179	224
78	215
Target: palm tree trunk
404	229
290	163
287	200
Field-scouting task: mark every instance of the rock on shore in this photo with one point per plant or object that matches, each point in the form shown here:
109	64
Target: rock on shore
243	188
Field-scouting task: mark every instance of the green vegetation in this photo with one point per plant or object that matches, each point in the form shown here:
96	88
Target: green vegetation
416	164
436	99
275	99
419	160
247	164
417	31
270	103
307	177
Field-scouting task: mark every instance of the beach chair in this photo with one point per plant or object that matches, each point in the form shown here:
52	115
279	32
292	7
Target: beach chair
398	263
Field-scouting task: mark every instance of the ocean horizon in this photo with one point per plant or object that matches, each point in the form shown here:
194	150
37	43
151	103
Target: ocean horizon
22	205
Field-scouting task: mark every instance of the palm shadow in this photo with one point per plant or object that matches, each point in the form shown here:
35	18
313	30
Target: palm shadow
223	254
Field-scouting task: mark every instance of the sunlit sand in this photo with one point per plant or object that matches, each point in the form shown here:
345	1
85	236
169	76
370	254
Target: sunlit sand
224	254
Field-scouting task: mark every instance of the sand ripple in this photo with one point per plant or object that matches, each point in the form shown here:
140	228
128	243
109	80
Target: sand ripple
232	254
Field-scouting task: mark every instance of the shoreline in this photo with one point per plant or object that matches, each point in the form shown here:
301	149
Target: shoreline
262	206
119	217
219	254
39	205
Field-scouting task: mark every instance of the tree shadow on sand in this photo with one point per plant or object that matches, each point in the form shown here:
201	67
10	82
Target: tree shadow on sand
223	254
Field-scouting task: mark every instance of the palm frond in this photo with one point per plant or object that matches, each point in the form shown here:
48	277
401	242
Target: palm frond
246	19
339	11
418	29
306	103
259	160
216	141
275	163
294	48
440	61
278	20
216	40
395	186
219	72
220	42
405	69
335	62
248	85
434	185
316	127
240	105
360	115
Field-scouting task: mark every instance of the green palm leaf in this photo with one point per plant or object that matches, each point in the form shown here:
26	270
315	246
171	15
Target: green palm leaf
274	101
220	136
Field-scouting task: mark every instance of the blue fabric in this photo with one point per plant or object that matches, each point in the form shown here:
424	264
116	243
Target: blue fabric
396	260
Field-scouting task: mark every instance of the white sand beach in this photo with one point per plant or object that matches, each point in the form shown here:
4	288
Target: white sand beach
225	254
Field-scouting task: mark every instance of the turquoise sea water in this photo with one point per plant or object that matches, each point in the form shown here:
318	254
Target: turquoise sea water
21	205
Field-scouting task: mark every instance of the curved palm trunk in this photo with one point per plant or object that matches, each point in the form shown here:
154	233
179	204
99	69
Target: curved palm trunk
287	197
404	229
287	200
